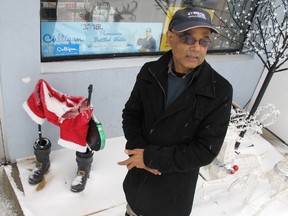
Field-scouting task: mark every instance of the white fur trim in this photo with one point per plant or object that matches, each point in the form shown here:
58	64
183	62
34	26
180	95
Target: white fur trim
53	104
72	145
32	115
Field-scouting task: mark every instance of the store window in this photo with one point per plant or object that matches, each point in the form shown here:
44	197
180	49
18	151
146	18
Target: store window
82	29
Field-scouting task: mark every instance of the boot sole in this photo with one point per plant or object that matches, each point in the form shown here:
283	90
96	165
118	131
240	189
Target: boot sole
76	191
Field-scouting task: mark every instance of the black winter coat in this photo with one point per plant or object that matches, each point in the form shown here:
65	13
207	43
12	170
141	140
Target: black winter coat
176	141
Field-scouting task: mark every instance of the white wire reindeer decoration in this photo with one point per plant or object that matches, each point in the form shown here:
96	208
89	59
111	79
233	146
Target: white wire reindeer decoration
228	166
223	165
246	167
278	179
263	117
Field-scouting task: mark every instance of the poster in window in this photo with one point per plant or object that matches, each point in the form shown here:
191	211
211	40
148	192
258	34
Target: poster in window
92	38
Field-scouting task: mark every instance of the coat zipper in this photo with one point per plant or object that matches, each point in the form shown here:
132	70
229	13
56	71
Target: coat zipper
158	83
165	96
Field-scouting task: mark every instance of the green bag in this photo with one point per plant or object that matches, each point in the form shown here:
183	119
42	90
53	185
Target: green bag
95	137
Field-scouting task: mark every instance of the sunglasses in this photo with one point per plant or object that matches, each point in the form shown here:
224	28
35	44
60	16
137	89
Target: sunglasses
187	39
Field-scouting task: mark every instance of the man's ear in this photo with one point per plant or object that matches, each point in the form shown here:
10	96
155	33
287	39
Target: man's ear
169	37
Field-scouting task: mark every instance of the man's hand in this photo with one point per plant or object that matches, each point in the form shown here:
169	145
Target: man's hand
136	160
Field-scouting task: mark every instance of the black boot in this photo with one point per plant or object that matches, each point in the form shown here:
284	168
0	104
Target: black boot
41	151
84	161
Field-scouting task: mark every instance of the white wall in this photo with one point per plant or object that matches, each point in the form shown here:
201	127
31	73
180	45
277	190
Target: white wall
112	79
276	93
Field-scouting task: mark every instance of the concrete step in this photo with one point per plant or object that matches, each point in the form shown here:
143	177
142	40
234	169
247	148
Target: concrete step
9	204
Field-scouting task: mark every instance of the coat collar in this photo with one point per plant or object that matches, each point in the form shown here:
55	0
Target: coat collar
203	84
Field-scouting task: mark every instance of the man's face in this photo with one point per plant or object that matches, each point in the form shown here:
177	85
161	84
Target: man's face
148	33
187	56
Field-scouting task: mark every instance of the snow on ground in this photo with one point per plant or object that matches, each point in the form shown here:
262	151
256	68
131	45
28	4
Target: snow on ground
6	204
104	195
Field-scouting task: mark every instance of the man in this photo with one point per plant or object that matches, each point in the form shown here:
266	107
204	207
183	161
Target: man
148	43
175	120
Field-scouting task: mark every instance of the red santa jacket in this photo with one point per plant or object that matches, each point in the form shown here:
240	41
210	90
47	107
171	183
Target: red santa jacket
70	113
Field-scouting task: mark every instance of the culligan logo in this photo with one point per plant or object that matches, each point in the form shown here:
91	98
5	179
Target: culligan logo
66	49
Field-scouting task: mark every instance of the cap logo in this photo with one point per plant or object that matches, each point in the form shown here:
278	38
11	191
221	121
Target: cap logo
196	14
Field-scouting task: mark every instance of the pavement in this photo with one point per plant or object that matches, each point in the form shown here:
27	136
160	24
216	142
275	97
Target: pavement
9	204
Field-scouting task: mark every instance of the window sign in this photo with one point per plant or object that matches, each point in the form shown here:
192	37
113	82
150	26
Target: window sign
81	38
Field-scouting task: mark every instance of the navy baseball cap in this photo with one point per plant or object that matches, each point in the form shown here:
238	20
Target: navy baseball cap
189	18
